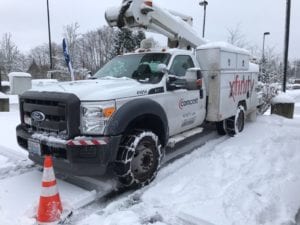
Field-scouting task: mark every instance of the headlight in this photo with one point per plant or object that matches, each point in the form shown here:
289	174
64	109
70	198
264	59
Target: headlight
95	115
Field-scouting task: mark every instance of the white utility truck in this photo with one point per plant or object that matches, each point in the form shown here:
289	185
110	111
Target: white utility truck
140	103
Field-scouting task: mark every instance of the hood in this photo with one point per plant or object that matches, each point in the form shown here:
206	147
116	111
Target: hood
98	90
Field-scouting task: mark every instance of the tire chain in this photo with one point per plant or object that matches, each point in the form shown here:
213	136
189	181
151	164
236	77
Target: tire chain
125	156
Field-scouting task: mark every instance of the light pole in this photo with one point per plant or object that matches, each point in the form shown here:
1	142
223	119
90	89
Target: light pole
204	4
49	35
263	60
286	42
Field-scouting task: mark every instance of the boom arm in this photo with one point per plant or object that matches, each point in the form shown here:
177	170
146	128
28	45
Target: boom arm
144	14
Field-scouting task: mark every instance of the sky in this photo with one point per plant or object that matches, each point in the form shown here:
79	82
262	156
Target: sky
27	20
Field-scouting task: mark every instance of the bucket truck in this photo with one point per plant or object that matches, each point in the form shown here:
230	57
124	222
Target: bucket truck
141	103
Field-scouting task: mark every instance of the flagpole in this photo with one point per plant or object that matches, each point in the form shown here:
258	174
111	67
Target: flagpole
71	71
49	36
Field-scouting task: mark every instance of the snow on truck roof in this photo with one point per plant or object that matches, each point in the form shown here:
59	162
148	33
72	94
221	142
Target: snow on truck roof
158	50
224	46
171	51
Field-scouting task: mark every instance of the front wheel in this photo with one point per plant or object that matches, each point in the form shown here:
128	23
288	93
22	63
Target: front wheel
138	159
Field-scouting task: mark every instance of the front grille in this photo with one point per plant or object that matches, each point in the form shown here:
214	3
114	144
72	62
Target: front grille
61	112
55	115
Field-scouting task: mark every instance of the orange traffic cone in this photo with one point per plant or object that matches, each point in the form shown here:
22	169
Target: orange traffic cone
50	208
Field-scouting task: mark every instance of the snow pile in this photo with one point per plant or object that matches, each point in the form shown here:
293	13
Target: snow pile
48	137
283	98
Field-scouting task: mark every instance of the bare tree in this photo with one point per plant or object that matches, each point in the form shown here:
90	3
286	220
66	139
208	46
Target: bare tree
9	54
72	35
236	37
40	54
95	48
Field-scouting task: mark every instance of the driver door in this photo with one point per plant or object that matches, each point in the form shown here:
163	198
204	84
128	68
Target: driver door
183	106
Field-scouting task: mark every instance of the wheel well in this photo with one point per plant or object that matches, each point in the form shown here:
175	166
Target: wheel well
149	122
244	104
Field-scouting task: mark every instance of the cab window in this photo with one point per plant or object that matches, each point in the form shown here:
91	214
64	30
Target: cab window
180	65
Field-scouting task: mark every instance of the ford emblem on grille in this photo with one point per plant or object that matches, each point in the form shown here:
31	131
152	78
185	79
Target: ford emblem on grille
38	116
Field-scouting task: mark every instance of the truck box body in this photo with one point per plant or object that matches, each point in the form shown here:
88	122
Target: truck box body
230	79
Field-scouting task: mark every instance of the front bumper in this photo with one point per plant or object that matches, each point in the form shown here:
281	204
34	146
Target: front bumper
81	157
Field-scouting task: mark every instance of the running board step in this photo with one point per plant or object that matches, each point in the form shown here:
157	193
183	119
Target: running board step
182	136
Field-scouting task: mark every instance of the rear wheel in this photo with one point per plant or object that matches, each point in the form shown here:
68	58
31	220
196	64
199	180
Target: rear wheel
138	159
235	124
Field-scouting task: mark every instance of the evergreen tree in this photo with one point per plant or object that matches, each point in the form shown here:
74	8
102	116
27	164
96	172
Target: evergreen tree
138	37
127	41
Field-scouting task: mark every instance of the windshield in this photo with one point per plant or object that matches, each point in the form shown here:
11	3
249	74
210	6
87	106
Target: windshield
141	67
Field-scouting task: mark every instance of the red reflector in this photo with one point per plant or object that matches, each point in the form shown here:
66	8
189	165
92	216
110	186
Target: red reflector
148	3
199	83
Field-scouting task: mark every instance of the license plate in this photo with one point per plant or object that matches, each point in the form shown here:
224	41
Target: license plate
34	147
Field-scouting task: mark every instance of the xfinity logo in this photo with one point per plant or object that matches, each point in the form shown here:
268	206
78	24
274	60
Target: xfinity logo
183	103
239	87
38	116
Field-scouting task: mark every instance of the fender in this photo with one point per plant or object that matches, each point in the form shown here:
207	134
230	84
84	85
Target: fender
132	110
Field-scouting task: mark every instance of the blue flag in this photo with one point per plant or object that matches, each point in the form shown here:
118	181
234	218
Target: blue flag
66	52
67	58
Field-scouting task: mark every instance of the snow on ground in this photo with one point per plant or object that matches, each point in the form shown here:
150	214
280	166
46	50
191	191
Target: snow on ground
8	123
13	159
252	178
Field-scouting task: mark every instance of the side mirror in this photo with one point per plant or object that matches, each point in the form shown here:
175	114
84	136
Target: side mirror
162	68
175	82
193	77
